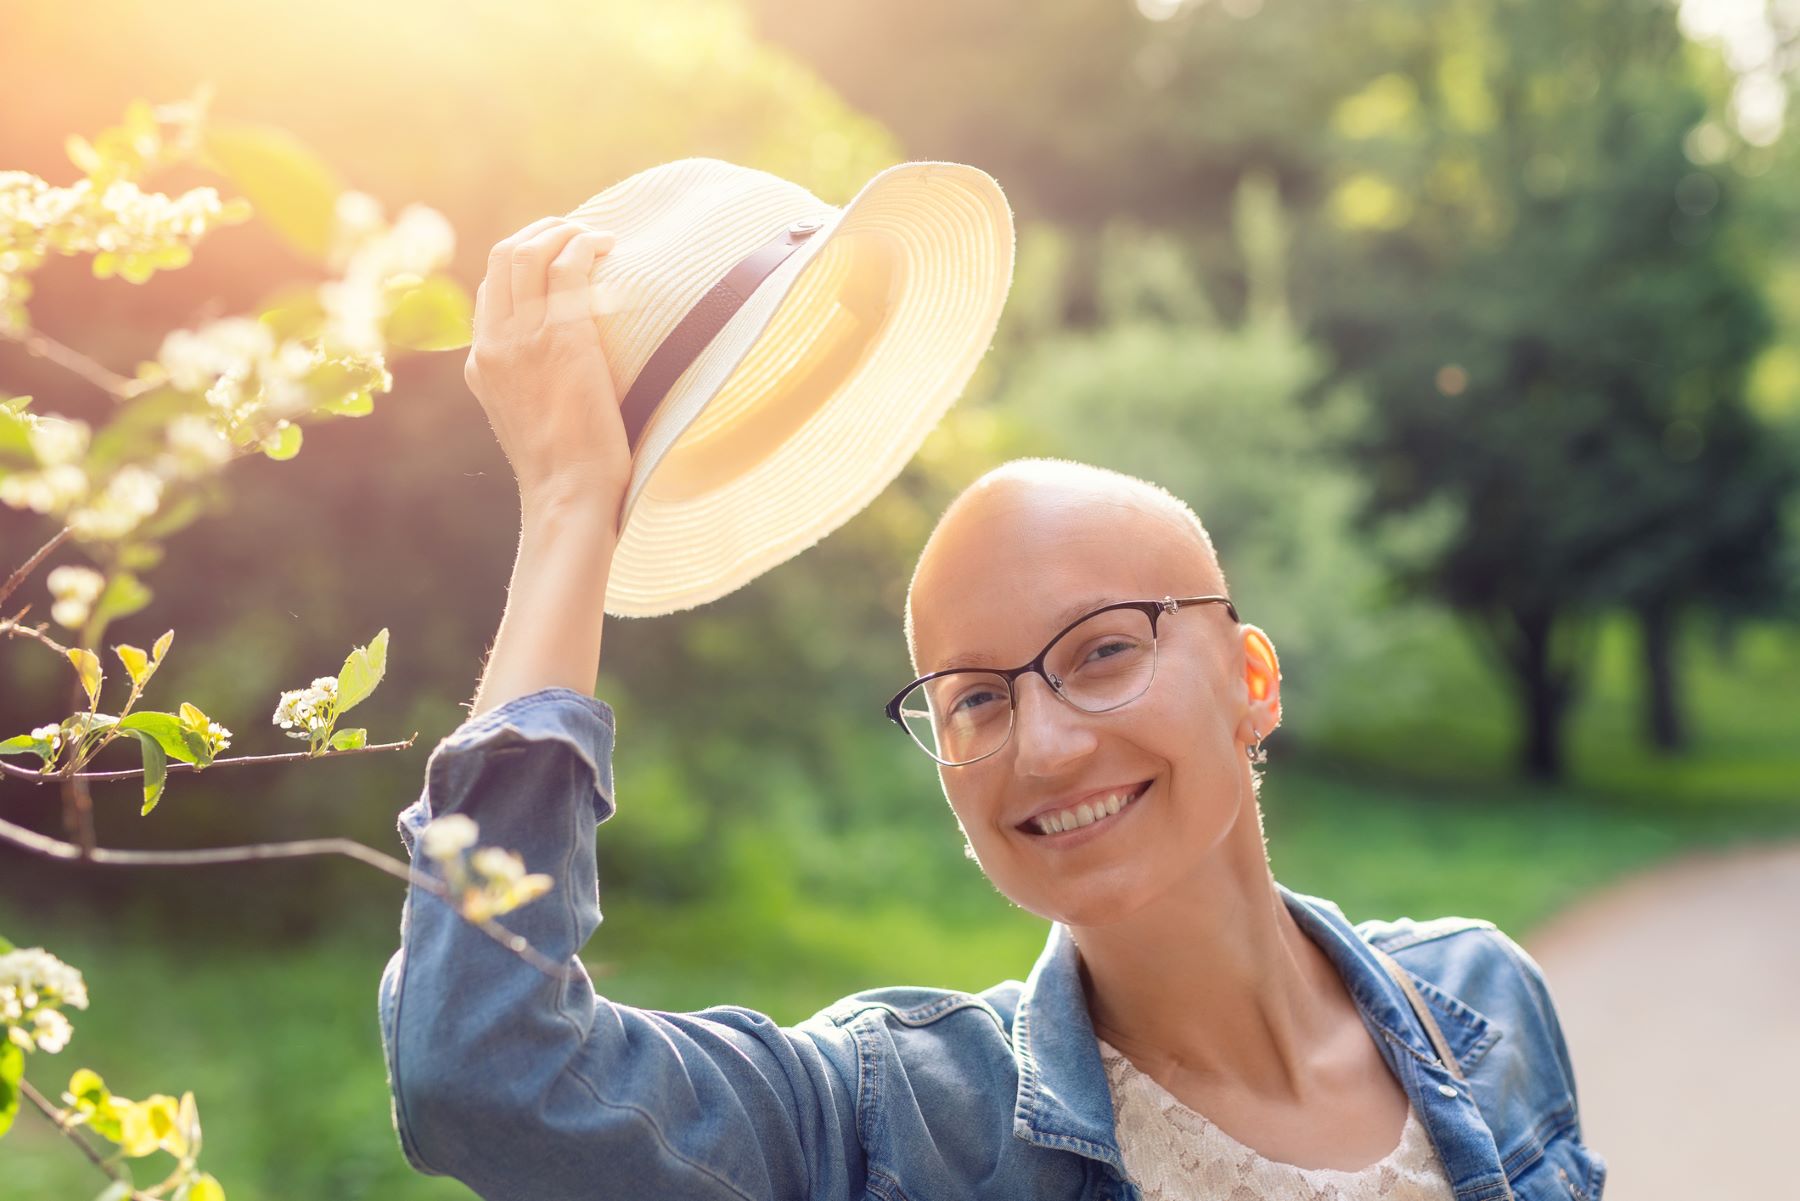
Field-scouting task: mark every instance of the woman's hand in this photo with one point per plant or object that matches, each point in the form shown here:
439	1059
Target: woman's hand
538	370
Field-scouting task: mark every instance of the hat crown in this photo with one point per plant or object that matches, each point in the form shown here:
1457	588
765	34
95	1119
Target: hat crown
679	227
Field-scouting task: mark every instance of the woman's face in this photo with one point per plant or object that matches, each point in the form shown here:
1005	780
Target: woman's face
995	580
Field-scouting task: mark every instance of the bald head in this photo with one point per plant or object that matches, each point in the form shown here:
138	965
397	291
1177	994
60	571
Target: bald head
1037	524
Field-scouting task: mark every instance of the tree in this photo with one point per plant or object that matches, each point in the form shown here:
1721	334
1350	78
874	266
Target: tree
1549	301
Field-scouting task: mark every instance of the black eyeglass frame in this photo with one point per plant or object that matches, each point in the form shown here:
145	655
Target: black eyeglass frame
1153	609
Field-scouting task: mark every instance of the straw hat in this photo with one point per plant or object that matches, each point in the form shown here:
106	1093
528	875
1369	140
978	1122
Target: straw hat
779	360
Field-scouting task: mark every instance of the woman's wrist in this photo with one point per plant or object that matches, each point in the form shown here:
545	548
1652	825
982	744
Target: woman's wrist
556	603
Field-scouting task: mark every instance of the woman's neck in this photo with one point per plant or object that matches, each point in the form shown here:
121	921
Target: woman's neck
1218	984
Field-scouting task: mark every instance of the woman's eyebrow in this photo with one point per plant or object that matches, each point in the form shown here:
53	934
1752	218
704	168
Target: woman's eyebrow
1068	614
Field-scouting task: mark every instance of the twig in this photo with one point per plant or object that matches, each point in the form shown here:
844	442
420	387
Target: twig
108	381
56	1119
126	773
10	625
43	552
51	848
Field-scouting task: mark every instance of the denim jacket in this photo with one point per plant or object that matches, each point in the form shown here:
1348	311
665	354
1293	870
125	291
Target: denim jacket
520	1084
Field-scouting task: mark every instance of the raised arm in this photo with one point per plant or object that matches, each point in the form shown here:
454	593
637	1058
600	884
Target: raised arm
522	1085
515	1082
536	366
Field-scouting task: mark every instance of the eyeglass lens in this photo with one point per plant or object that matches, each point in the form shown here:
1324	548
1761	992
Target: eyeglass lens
1102	663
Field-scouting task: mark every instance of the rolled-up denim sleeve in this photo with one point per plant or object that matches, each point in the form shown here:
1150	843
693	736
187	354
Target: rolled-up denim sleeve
520	1084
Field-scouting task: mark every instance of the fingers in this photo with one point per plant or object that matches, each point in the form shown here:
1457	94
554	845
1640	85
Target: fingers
570	295
531	270
494	298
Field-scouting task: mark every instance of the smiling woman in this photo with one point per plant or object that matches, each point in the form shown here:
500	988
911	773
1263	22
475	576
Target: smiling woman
1193	1027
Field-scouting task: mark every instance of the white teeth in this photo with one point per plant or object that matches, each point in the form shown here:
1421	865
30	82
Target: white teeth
1084	814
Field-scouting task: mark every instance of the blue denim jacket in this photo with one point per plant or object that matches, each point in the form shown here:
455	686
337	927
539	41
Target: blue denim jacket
522	1085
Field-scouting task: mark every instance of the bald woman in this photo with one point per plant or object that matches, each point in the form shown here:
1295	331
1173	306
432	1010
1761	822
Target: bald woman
1094	707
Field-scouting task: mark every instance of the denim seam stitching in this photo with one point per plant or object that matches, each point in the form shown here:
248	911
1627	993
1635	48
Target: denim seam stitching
1403	942
1543	1132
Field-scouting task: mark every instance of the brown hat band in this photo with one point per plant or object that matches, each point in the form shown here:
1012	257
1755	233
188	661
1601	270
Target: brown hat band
702	324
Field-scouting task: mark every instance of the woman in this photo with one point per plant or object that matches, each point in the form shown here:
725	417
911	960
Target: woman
1192	1029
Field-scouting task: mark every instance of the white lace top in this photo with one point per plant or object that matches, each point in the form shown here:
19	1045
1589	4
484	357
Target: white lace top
1173	1153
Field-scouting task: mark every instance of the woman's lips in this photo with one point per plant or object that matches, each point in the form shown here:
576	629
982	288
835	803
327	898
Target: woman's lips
1077	834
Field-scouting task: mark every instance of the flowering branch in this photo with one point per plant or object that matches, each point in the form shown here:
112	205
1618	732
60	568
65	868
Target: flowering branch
51	848
25	773
60	1120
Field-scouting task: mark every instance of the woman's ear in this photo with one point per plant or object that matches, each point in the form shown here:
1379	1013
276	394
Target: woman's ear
1262	687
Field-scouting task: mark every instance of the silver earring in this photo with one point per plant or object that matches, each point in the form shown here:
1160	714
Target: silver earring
1256	754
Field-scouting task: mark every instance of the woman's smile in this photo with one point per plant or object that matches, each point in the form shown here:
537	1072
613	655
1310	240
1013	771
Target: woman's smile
1083	831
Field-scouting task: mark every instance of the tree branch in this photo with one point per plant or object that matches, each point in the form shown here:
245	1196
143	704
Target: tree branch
126	773
18	577
56	1118
108	381
51	848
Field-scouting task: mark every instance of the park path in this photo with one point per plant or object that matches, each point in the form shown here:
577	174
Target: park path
1679	992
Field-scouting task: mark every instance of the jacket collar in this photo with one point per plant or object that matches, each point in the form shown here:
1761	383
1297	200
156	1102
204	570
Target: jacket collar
1064	1099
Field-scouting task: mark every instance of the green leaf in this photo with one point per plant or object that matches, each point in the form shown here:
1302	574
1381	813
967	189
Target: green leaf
90	1096
436	315
125	594
294	314
349	740
162	646
135	555
142	422
348	385
283	443
118	1190
156	769
15	435
86	1085
168	732
137	664
12	1070
171	517
5	946
293	189
25	744
87	665
362	671
357	404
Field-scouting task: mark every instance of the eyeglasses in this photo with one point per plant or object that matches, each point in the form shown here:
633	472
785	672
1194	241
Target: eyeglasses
1095	664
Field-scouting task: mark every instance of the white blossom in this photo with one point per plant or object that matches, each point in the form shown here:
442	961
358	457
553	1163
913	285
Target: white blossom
75	589
33	985
448	836
197	440
58	440
47	491
307	708
133	493
498	865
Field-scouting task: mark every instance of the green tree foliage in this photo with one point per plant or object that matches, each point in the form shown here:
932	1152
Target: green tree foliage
1554	308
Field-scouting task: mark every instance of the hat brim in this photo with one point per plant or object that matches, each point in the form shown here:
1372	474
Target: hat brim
949	232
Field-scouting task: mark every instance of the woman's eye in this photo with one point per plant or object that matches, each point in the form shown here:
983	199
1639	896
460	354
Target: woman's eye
969	697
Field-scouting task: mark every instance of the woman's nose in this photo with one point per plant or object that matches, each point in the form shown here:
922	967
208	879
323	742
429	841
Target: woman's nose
1049	732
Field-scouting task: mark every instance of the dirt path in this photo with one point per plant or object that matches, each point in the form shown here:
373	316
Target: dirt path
1679	991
